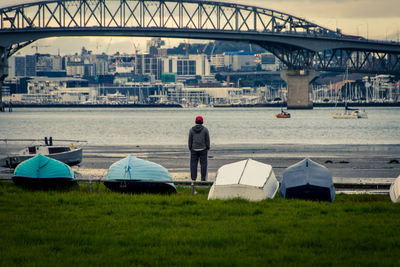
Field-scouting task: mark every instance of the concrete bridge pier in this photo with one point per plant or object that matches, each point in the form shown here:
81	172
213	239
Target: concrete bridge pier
299	88
3	73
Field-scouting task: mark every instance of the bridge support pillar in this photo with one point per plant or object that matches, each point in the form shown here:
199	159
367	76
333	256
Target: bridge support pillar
3	74
299	88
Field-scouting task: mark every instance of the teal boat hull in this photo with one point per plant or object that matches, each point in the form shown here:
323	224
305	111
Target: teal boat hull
134	175
41	172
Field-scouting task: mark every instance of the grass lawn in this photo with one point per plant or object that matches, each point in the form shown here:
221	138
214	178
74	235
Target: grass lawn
76	228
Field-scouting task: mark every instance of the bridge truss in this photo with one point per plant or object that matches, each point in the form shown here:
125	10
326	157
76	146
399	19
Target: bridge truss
339	60
298	43
176	14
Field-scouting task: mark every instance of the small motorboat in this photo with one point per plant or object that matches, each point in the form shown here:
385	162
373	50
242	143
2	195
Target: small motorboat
307	180
247	179
42	172
134	175
68	154
283	114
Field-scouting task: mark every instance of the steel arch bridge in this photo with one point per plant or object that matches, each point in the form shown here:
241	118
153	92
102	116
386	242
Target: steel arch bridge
298	43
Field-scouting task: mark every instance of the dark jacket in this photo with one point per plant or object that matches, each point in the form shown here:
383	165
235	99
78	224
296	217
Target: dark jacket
199	138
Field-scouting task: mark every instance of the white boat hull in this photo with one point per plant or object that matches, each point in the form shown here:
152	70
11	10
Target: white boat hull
247	179
355	114
344	116
394	191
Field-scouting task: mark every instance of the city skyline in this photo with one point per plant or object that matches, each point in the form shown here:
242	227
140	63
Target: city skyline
368	18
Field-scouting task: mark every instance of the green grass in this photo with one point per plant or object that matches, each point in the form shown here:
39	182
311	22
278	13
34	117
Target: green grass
76	228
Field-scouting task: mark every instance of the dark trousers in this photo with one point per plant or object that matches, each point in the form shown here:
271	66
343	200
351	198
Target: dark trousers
194	161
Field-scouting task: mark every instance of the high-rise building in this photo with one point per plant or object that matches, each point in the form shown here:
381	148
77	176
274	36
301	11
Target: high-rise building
16	66
22	66
30	65
240	61
217	62
187	65
146	64
57	63
75	66
269	62
153	45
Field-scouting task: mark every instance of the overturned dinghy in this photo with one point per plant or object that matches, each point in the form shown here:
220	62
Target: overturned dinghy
42	172
248	179
394	191
308	180
135	175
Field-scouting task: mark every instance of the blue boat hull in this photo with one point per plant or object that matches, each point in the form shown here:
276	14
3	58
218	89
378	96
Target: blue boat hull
139	187
44	183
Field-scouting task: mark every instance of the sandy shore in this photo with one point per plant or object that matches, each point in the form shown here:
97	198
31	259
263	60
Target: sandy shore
346	162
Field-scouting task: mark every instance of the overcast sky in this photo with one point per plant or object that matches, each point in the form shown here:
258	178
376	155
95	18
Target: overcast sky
375	19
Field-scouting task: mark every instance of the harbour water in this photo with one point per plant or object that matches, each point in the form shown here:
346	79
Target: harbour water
157	126
354	149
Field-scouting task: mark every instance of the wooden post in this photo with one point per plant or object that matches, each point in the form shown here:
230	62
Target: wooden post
90	186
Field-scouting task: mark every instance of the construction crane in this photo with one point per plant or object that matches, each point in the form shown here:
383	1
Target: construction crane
212	50
105	56
37	47
108	46
136	47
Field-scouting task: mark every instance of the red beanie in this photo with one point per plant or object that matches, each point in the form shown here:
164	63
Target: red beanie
199	120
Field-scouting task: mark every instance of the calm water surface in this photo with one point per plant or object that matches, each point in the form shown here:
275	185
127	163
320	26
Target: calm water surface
137	126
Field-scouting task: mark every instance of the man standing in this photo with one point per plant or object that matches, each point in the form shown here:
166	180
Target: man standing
199	144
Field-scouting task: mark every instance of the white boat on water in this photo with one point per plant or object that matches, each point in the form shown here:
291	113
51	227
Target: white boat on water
351	114
204	106
69	154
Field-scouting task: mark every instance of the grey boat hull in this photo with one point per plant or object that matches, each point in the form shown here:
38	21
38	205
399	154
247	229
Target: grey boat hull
70	158
307	180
